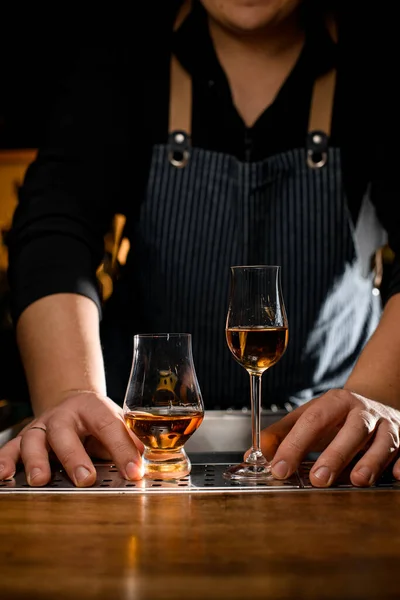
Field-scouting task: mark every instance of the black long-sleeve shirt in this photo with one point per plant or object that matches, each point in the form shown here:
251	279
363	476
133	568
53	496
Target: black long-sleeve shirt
95	159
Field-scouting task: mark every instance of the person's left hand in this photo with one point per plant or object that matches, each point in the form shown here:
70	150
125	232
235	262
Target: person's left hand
341	423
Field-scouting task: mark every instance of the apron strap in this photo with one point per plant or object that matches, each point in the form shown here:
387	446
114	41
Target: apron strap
322	103
183	12
320	120
180	103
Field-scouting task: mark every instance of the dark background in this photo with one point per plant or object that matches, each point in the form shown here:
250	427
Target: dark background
31	77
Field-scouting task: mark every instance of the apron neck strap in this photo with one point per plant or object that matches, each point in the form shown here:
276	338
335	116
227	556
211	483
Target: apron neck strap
324	91
183	12
322	103
321	110
180	101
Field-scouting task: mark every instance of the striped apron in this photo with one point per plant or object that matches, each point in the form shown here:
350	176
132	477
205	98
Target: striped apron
205	211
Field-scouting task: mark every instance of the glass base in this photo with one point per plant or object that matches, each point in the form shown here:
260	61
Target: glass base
164	464
249	472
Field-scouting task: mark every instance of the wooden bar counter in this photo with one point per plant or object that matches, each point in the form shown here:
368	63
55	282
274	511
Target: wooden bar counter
278	545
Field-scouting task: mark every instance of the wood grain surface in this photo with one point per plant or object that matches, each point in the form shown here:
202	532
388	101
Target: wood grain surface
313	545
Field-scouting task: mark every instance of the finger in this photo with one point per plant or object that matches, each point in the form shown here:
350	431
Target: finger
356	431
69	450
109	428
9	458
313	424
95	449
272	436
138	443
396	469
381	452
35	455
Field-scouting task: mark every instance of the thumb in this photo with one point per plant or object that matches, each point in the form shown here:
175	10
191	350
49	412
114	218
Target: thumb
272	436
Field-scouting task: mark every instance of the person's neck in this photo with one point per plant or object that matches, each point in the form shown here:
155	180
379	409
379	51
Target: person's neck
256	64
270	41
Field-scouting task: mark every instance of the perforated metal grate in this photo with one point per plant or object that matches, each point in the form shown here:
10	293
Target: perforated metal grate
204	478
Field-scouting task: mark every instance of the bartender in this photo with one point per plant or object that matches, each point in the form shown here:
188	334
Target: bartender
240	133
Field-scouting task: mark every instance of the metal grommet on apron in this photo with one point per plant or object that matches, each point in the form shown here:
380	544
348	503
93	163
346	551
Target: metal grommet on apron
205	211
317	149
179	149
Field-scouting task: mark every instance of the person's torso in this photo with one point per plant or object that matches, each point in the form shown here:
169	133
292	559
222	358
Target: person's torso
247	196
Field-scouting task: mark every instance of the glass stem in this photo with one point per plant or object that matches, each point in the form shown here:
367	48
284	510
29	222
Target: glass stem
255	456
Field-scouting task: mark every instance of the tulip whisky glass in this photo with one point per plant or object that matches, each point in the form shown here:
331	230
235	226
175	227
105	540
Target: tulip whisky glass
257	336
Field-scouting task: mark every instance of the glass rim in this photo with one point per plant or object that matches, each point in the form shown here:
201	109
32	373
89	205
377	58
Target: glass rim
162	335
256	267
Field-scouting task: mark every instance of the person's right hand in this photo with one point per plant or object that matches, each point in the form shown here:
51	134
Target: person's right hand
82	423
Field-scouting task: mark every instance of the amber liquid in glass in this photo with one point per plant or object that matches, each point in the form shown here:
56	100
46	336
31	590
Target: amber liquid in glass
257	348
163	431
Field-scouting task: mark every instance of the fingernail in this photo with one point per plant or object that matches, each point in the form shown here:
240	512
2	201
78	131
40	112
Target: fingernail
280	470
33	474
132	470
81	474
367	474
323	474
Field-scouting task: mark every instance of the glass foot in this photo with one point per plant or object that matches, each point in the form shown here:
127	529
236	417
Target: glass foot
162	464
247	472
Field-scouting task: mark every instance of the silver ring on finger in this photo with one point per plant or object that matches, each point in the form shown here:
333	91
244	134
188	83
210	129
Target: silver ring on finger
38	427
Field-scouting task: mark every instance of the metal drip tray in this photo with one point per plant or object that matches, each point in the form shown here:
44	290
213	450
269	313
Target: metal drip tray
206	477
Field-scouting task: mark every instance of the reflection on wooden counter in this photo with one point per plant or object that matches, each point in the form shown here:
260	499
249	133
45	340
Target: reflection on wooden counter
318	546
